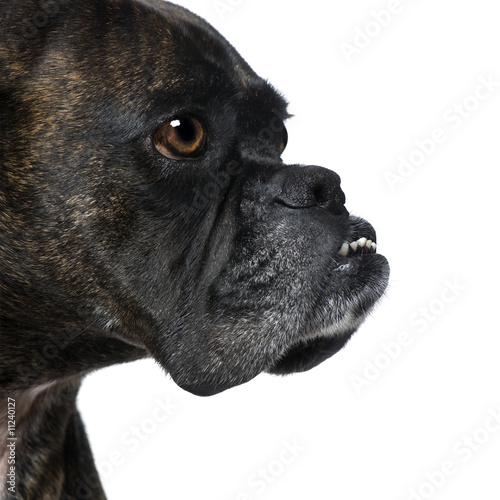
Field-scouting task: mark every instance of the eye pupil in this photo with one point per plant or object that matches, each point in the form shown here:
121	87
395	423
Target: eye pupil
185	130
181	138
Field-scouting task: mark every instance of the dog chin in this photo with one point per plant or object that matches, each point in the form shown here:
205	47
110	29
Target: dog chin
306	354
316	346
339	316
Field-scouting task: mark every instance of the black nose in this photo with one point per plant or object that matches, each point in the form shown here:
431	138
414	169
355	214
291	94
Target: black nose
309	186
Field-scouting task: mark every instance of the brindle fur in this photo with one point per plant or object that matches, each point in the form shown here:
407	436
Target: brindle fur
219	268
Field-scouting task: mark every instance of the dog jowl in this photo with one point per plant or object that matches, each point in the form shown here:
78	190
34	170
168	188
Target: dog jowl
145	211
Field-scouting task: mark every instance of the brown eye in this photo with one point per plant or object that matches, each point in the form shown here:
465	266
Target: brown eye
180	138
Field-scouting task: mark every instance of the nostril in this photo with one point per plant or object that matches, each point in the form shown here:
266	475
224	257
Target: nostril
329	198
306	187
323	194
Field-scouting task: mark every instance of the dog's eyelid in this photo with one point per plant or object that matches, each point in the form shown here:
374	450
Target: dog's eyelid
284	140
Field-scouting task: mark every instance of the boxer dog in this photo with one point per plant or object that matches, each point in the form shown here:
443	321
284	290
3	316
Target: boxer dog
145	211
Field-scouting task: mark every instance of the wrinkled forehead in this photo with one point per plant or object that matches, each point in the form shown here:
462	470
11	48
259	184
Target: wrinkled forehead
161	49
158	34
113	59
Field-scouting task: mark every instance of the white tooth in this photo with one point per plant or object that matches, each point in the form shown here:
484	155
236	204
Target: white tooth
344	249
354	245
362	242
374	247
368	244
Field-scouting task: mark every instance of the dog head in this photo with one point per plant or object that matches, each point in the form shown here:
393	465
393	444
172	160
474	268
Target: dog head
141	181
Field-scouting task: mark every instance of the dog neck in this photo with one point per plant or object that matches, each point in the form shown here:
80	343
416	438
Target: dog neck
46	434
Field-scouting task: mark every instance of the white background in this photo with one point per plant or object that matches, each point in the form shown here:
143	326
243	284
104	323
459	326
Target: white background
431	403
